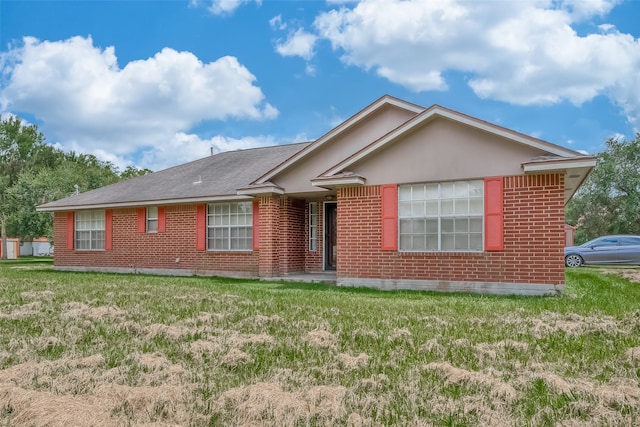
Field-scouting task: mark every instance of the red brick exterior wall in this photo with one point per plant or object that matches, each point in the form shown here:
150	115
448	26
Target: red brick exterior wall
533	239
292	235
135	250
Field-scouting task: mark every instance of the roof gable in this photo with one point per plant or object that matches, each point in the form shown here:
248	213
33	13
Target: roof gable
346	126
437	111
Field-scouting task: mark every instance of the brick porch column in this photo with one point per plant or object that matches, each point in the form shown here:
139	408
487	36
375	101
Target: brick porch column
269	223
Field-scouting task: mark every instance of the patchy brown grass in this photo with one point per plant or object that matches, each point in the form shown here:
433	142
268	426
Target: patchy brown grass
107	350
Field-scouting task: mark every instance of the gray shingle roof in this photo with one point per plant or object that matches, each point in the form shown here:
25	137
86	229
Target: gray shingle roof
218	175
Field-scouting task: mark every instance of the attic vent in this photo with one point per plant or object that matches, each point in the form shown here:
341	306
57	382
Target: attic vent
199	181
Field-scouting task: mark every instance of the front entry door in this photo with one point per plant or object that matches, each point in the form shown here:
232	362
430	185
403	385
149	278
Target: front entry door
330	235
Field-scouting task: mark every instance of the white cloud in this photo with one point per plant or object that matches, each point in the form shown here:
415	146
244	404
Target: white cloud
91	105
525	52
227	7
298	43
183	147
276	23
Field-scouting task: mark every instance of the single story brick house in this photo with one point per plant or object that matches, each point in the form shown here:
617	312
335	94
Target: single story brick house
396	197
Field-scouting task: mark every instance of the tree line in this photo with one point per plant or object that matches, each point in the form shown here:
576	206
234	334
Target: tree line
33	172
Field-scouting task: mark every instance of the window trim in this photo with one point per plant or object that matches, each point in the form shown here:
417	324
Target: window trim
248	225
77	218
313	226
440	216
149	219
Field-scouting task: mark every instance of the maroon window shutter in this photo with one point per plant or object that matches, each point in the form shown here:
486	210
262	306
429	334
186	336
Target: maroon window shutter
493	214
201	228
70	230
162	221
256	225
108	229
389	217
142	220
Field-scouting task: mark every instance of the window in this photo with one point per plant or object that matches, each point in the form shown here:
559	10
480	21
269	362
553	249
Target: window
313	226
89	230
152	219
445	216
230	226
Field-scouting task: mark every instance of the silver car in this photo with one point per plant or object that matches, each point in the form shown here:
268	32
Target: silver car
621	249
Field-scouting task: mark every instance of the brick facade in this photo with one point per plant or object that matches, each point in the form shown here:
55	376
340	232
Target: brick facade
533	240
175	249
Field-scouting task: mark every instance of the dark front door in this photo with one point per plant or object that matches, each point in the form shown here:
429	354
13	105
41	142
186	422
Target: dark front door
330	236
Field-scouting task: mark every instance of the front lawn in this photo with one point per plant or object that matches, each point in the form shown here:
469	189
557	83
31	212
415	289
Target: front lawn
102	349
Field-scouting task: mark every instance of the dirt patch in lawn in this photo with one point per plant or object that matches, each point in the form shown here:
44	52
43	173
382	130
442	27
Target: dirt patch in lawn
632	274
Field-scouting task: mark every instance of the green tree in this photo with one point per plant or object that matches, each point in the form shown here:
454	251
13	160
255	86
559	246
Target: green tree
609	200
22	149
33	172
132	172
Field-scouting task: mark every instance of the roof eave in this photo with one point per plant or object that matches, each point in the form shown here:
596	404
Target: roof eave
163	202
331	182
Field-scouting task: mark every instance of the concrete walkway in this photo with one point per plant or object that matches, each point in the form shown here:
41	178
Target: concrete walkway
324	277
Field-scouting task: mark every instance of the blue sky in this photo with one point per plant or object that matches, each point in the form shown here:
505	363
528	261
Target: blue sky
157	83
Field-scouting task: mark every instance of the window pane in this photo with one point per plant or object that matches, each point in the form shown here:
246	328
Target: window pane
448	243
475	225
418	209
446	207
152	212
432	242
475	206
405	226
462	189
462	225
404	192
462	206
462	242
446	225
475	242
152	226
476	188
432	208
432	192
405	242
405	209
432	226
419	243
418	192
446	190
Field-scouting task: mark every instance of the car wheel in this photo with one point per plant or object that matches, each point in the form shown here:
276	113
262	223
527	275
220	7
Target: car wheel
573	260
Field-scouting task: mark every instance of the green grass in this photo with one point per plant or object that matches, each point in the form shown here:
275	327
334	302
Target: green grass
133	349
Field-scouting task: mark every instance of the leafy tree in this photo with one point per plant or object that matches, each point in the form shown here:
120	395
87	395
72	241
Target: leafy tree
609	201
22	149
33	172
132	172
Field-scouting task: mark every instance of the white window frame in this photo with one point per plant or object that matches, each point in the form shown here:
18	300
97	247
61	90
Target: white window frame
230	226
313	226
89	224
439	216
152	219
